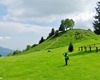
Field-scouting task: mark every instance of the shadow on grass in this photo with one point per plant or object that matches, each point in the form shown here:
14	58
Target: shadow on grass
62	65
83	53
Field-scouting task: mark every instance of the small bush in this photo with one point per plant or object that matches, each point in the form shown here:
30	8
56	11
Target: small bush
56	33
16	52
34	45
10	54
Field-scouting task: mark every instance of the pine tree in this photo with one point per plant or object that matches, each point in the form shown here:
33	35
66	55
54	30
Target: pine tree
62	27
42	40
70	49
51	33
96	23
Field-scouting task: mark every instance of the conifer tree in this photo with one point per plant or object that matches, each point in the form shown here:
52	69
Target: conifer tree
70	49
51	33
96	23
42	40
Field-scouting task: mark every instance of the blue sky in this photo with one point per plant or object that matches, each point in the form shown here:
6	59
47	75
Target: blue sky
24	22
3	10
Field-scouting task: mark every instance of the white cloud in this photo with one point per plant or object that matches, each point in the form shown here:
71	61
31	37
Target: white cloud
13	28
45	10
20	34
5	38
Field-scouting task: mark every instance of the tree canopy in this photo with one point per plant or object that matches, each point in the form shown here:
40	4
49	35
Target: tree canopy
65	24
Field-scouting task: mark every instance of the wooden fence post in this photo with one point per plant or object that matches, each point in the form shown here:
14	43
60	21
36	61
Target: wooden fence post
90	48
85	48
96	49
81	48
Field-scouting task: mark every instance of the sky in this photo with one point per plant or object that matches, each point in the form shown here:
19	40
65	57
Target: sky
24	22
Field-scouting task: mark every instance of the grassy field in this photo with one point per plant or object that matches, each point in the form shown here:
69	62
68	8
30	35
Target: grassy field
44	65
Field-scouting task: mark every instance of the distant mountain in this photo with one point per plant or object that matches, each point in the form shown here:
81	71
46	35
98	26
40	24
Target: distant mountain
5	51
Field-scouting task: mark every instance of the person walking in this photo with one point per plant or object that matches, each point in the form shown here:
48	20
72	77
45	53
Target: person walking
66	57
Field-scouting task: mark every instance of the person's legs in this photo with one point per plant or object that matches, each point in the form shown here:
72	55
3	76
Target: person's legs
66	61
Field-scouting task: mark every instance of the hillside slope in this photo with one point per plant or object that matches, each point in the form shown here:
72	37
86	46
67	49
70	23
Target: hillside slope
64	38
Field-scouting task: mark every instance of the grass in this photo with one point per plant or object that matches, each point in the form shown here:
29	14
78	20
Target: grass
44	65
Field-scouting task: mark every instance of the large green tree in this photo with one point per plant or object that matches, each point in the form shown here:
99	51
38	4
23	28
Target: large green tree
96	23
65	24
69	23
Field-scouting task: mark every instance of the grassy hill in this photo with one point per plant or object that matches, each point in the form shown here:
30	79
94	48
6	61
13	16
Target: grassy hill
39	64
64	38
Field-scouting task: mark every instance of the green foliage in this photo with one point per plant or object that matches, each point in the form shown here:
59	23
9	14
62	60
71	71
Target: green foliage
62	27
65	24
34	45
0	55
51	33
28	47
16	52
69	23
56	33
10	54
96	23
42	40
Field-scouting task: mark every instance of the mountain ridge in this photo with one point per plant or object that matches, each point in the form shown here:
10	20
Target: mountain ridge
5	51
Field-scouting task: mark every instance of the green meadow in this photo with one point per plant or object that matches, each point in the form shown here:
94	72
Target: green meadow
39	64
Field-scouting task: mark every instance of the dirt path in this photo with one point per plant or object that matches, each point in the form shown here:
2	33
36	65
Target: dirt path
53	42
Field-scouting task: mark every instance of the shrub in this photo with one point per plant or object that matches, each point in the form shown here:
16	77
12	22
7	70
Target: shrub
28	47
16	52
56	33
34	45
10	54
